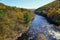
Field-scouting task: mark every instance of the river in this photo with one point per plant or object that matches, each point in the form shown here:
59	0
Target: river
42	26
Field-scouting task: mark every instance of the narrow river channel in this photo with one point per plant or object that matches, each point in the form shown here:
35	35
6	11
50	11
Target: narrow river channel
42	26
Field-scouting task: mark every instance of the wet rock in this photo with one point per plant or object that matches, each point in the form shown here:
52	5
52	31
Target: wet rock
41	37
24	36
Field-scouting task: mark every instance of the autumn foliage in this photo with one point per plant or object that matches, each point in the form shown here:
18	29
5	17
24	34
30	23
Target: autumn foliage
12	21
52	11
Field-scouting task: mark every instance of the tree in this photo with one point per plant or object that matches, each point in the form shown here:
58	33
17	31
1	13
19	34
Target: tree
27	18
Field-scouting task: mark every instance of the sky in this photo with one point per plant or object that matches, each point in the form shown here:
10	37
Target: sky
29	4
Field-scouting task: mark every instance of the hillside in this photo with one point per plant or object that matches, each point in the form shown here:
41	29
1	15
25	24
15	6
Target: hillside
12	21
52	11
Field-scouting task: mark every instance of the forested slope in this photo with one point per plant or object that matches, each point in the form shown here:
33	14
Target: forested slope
51	11
13	21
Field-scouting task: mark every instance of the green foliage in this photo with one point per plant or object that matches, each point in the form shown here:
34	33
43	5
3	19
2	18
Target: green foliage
27	18
3	12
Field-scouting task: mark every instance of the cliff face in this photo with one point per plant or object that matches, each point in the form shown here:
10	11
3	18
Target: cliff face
52	11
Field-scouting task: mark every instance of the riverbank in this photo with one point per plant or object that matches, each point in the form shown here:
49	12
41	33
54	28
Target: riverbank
41	26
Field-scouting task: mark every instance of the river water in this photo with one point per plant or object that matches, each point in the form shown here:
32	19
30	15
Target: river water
42	26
